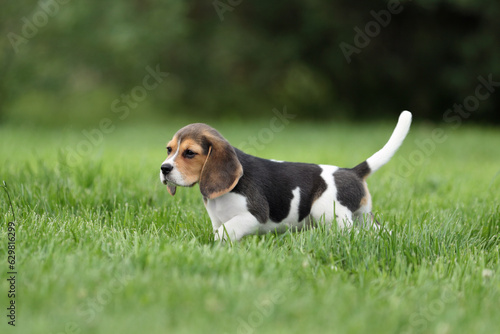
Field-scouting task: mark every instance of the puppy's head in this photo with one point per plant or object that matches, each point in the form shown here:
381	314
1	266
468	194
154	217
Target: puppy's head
199	154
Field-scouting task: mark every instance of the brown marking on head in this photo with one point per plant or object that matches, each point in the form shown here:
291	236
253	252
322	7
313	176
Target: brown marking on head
205	157
190	160
222	169
172	145
171	149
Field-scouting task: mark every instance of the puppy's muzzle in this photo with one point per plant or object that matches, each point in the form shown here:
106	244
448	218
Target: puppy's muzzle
166	169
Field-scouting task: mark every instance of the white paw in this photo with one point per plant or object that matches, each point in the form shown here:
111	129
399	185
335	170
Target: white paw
220	236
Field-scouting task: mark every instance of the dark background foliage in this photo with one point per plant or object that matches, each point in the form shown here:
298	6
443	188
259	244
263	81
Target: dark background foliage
66	61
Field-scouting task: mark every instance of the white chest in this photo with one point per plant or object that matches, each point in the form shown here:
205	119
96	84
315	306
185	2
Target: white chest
225	207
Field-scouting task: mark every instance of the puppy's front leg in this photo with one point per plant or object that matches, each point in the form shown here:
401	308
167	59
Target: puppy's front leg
237	227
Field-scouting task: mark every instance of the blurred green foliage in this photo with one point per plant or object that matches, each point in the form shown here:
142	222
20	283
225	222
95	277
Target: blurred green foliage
70	61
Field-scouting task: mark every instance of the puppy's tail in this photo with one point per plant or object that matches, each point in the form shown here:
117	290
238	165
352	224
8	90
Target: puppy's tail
380	158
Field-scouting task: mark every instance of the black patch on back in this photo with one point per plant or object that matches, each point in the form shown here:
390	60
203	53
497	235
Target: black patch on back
268	186
362	169
350	188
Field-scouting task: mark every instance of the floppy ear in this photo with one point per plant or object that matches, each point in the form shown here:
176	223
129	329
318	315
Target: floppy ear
171	189
222	170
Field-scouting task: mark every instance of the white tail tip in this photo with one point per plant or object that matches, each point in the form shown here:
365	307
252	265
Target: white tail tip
398	135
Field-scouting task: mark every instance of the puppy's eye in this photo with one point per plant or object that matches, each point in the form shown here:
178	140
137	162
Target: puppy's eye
169	150
189	154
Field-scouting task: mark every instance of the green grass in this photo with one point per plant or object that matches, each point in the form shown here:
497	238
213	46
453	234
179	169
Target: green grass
102	247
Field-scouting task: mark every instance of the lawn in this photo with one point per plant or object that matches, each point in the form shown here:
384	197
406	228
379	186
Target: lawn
101	247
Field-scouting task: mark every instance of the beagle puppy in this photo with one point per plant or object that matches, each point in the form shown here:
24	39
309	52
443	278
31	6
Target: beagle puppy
246	195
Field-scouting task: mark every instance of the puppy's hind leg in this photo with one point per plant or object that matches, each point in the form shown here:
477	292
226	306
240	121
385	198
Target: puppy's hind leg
343	216
374	220
367	219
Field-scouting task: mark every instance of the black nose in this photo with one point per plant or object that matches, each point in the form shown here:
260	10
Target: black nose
166	168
